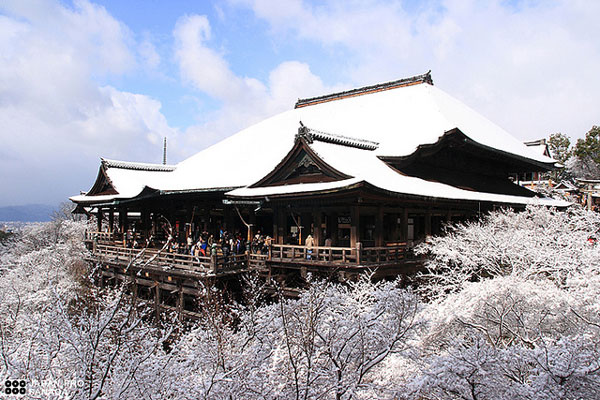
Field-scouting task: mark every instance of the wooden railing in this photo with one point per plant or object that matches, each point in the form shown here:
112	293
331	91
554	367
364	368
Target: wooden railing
380	255
334	256
232	262
339	255
155	258
257	261
100	236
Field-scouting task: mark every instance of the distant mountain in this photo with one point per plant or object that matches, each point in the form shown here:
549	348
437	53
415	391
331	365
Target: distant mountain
27	213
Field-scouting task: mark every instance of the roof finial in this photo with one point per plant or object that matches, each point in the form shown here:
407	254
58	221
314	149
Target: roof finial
304	133
165	151
427	78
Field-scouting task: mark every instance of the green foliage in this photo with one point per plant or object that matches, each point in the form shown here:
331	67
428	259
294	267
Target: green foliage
589	148
560	147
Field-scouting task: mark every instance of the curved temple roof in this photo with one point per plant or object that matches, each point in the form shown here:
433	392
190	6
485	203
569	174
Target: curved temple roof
354	130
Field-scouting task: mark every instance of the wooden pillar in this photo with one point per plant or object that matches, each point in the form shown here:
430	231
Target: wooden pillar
379	227
428	222
143	227
252	229
121	219
187	224
318	231
206	217
396	227
332	228
180	303
404	225
99	220
123	224
275	225
157	300
354	226
228	218
281	226
111	219
154	228
305	222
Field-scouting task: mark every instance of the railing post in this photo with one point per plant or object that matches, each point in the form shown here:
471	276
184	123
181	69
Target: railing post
213	263
270	252
358	251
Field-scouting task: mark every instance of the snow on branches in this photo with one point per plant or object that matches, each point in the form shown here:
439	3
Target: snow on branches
513	310
508	309
536	243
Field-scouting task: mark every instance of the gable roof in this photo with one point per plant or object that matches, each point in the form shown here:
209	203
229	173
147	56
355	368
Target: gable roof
126	180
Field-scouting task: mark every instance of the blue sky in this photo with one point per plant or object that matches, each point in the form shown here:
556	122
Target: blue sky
86	79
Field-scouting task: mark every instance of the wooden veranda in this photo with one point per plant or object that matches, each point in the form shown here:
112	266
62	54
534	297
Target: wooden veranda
174	281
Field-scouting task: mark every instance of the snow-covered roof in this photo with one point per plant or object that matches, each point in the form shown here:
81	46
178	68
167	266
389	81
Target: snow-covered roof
353	131
128	179
364	167
539	146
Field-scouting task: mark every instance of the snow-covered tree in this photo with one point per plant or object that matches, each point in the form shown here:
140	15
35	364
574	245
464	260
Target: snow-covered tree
508	309
325	344
67	338
514	310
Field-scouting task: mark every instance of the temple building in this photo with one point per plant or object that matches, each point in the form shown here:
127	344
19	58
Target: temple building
366	173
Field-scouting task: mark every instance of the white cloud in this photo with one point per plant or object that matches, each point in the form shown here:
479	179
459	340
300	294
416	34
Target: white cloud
56	121
529	66
245	100
149	55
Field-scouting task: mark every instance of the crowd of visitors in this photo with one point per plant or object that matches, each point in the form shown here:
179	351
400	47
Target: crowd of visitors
206	244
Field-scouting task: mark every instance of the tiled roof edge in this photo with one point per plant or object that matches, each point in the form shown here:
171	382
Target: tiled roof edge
312	134
137	166
413	80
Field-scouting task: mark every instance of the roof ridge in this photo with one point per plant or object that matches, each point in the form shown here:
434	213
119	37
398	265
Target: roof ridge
137	165
312	134
413	80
